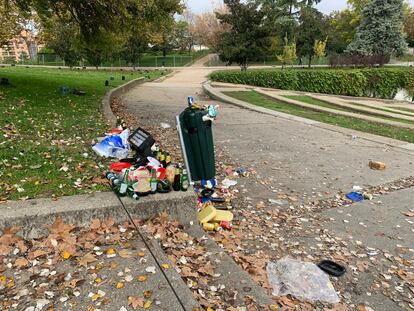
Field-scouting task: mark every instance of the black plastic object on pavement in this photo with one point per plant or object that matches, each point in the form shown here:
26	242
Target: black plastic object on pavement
332	268
141	141
197	137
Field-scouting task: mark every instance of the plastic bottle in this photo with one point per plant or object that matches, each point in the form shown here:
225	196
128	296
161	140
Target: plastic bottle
184	181
153	181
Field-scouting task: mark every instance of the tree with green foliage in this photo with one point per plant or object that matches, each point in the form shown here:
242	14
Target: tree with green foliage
319	48
409	26
63	38
312	27
96	18
248	37
289	53
10	23
380	32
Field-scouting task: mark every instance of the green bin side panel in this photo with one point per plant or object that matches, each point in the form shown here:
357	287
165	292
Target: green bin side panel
198	140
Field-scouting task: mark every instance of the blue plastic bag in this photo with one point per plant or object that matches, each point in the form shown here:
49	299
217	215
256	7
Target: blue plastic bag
355	196
115	146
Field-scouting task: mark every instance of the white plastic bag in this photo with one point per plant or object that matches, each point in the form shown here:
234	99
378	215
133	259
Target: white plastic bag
303	280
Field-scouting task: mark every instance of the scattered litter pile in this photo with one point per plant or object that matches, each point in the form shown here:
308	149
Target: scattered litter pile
215	204
143	168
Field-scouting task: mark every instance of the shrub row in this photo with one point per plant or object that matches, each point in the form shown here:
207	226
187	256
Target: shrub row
376	82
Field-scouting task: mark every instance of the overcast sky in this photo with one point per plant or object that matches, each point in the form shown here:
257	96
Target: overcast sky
325	6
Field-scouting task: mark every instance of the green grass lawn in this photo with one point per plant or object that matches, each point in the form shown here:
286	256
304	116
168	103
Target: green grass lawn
255	98
313	101
405	109
46	137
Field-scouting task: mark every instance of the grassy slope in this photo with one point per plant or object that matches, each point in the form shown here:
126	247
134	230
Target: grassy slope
43	132
347	122
312	101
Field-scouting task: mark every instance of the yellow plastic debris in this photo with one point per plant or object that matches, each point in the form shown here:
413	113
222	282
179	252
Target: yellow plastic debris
223	216
207	214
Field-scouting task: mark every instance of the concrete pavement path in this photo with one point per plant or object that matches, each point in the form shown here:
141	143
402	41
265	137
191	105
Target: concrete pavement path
294	160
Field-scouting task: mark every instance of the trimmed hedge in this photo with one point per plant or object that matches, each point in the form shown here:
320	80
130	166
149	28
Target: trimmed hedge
375	82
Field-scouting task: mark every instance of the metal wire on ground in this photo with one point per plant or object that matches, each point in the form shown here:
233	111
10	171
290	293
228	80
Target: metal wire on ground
149	249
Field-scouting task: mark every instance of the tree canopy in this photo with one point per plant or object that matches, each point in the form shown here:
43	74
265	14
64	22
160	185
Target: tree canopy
247	38
380	32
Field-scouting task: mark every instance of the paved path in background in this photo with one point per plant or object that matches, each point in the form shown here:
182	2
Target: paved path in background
299	159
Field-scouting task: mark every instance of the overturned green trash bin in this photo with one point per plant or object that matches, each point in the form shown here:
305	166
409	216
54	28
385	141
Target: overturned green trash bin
195	129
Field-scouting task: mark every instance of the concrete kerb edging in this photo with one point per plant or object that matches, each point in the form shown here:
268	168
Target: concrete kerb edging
215	94
116	92
32	215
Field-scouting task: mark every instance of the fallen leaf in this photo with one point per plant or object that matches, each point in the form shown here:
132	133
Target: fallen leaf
110	253
66	255
142	278
136	302
141	254
5	250
165	266
37	253
21	262
208	269
148	304
119	285
147	294
95	224
124	253
73	283
85	260
409	214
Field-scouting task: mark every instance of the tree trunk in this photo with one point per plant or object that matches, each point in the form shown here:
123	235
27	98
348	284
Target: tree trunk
310	61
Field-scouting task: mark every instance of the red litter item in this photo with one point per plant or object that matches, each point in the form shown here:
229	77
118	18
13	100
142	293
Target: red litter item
161	172
225	225
115	131
119	166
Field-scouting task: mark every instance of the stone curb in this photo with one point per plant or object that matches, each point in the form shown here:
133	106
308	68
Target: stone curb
32	215
116	92
215	94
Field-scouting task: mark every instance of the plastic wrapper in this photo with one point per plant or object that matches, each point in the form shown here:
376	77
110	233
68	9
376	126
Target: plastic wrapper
303	280
115	146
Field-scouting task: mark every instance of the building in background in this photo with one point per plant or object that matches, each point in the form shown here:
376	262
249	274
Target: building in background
23	47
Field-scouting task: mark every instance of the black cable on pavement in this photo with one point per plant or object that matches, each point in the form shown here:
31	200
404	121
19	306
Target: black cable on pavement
149	249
